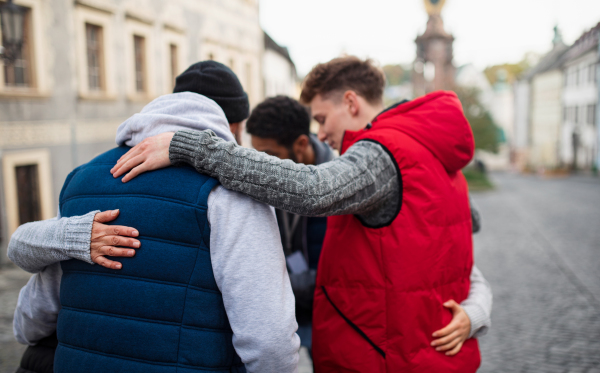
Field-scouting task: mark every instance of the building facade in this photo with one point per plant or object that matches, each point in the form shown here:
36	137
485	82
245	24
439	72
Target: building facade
279	71
538	111
87	65
579	133
557	107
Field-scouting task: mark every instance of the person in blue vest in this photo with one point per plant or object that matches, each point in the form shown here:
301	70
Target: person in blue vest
201	293
280	126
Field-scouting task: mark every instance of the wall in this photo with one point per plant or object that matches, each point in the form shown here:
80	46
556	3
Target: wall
67	123
546	117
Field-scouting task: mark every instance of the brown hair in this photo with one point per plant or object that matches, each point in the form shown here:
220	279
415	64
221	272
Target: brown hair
341	74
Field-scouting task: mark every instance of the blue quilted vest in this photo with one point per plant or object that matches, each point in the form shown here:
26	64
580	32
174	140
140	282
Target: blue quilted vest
163	311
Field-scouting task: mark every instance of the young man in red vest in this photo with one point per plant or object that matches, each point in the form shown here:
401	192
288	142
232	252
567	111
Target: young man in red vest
398	245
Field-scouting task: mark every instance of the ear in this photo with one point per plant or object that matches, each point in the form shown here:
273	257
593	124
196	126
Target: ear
351	101
236	128
299	148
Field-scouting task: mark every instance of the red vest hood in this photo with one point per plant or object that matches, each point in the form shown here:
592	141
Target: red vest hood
438	123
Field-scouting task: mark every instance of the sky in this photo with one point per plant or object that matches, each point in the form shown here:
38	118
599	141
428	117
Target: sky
487	32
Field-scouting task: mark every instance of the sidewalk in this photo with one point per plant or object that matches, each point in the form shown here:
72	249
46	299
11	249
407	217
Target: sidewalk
11	281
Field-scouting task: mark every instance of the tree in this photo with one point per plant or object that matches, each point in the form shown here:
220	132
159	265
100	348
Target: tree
487	134
396	74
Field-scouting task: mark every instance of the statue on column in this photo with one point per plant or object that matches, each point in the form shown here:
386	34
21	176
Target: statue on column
433	68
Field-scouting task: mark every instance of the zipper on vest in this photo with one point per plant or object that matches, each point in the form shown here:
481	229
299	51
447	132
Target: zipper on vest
353	325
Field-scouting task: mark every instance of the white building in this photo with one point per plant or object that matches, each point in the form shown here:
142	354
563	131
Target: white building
538	118
522	94
87	65
579	133
279	71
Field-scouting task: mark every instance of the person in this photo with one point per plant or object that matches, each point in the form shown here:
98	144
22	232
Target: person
397	256
218	82
280	126
249	323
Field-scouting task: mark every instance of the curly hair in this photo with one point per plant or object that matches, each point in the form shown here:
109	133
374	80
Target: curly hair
341	74
281	118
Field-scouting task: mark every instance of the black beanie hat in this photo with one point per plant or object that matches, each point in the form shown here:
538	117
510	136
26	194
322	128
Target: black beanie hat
217	82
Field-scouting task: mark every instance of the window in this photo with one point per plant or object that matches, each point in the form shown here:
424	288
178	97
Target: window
94	57
174	64
18	73
28	193
139	49
576	115
592	74
591	114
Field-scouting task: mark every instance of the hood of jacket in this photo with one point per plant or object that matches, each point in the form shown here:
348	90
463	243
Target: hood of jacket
174	112
437	122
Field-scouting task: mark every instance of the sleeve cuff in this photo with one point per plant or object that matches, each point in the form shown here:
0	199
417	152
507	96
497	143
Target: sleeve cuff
480	322
79	236
183	147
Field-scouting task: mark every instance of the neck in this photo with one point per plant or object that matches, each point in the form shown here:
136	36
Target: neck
370	112
309	155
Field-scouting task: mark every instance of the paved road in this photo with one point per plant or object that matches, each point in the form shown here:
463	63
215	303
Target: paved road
539	249
11	281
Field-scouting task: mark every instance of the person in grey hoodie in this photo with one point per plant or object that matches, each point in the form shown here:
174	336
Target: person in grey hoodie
253	281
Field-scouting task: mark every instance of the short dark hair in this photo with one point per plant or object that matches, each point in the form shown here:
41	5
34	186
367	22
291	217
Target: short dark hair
281	118
344	73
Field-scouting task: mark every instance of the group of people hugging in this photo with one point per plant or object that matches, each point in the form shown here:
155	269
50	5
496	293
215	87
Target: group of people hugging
181	251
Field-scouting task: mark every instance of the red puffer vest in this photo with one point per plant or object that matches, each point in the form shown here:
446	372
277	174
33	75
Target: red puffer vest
380	289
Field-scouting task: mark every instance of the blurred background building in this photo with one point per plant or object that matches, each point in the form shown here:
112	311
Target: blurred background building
84	66
556	108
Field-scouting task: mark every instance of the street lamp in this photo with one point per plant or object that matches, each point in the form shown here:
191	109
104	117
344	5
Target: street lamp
12	17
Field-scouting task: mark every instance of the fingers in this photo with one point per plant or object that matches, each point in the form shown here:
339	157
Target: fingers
136	150
110	264
445	340
455	350
446	330
452	305
120	241
116	251
106	216
136	171
119	230
128	165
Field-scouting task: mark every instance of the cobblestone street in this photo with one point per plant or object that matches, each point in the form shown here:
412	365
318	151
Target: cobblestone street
11	281
540	250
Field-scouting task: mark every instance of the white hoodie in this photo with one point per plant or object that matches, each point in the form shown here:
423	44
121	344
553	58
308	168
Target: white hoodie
245	245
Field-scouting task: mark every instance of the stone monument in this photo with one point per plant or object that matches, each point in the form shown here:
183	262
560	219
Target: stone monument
433	69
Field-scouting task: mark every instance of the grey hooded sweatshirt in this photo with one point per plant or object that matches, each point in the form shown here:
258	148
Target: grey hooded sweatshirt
246	253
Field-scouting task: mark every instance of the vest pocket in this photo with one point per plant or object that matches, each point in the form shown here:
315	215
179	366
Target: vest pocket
353	325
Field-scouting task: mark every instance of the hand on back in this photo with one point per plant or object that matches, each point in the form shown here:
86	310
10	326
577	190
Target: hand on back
150	154
111	240
451	338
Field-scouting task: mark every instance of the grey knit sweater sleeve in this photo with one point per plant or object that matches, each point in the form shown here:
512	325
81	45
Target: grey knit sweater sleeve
39	244
363	181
